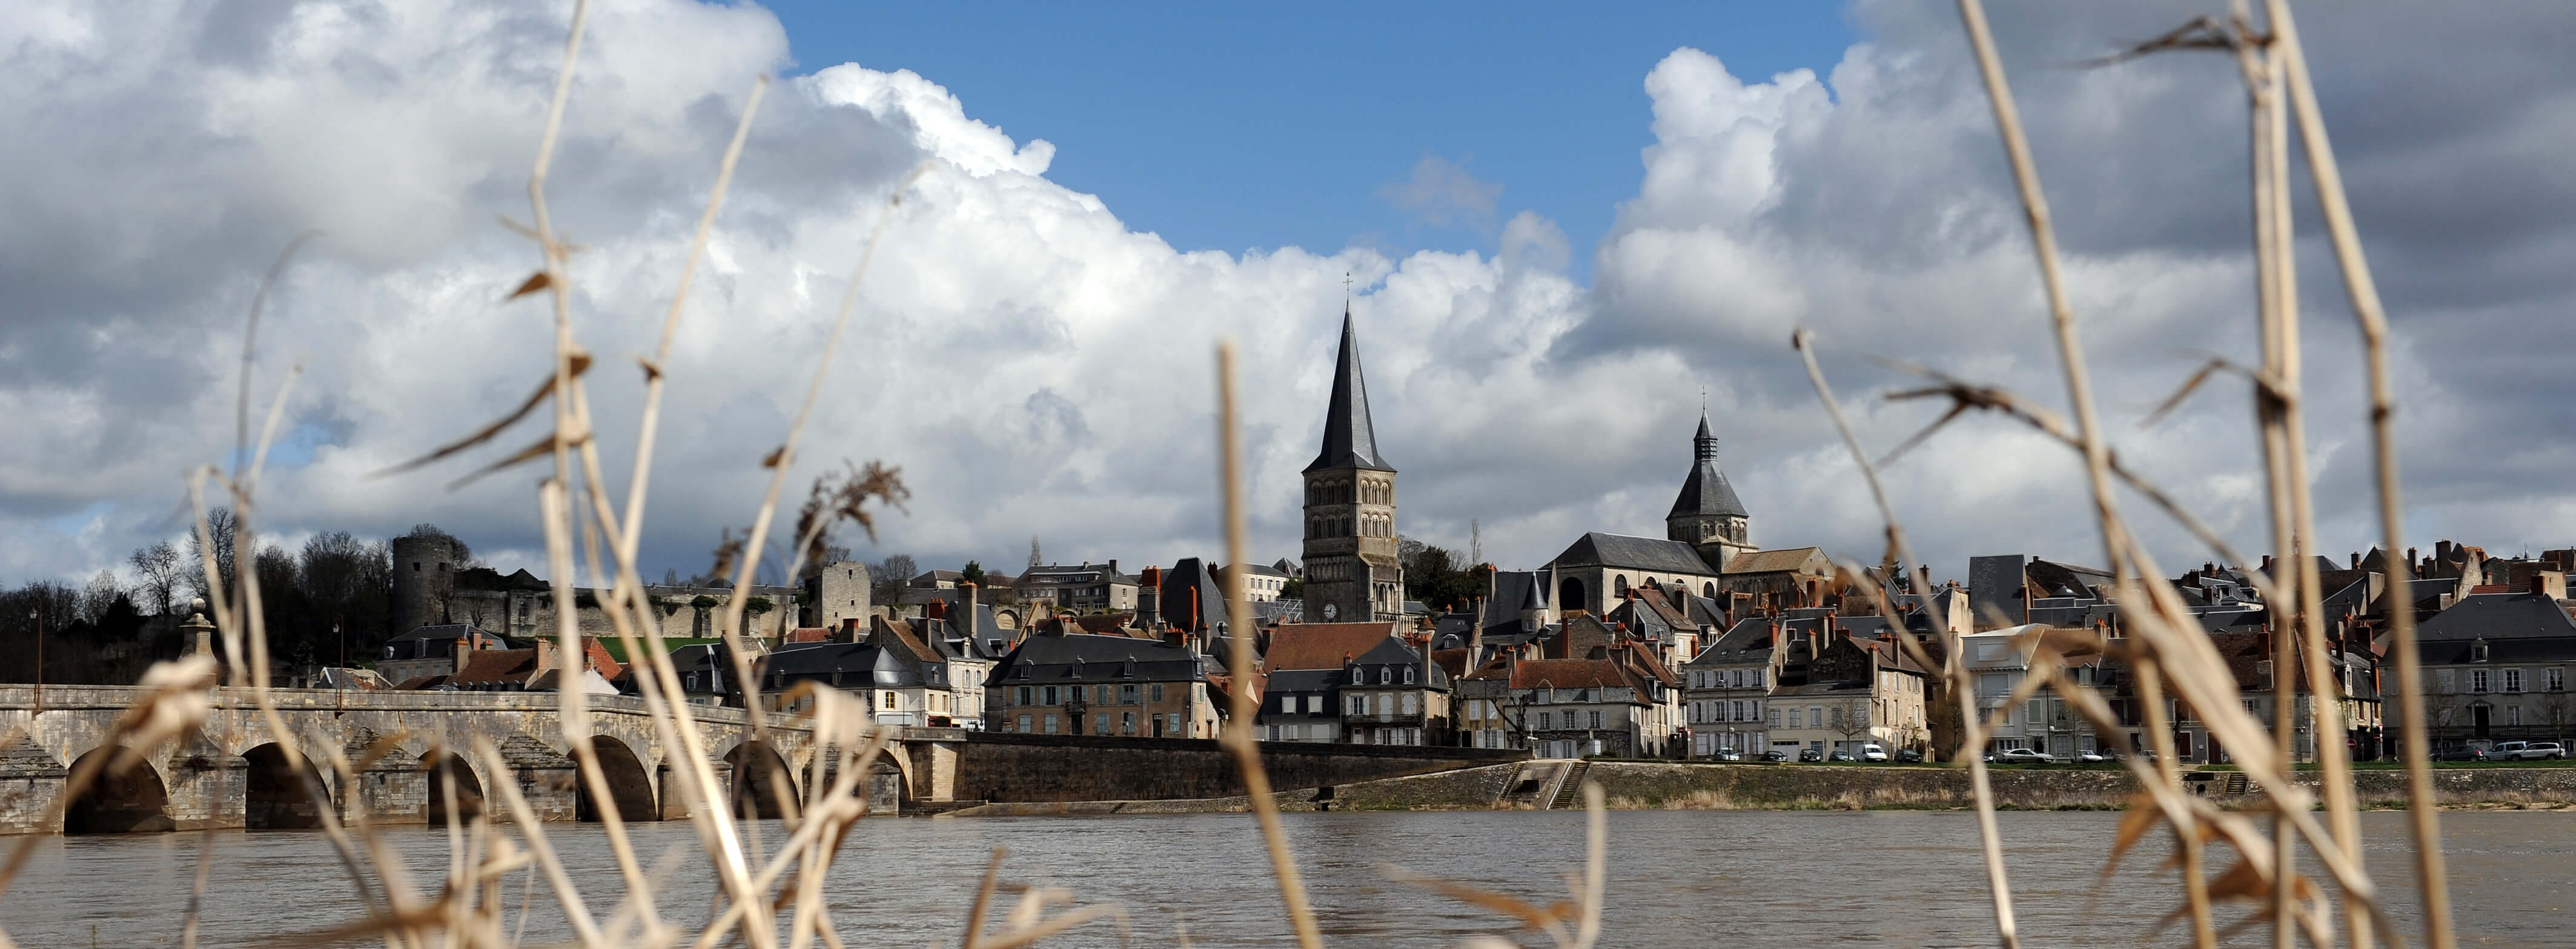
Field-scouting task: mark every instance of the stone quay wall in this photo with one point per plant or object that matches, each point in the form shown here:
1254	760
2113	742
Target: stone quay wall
1000	767
1630	785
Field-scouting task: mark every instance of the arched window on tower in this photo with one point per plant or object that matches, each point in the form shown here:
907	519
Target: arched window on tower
1619	587
1708	590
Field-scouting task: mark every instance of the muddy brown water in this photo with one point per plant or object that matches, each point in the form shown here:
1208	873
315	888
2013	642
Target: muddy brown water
1677	878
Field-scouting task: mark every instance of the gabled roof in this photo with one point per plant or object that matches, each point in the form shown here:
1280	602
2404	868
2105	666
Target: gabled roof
1597	549
1705	491
1323	645
1565	674
1396	652
490	666
1350	441
1773	561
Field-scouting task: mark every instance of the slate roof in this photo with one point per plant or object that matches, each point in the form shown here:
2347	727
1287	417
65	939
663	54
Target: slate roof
1192	599
1396	652
1565	674
1705	490
1303	681
2494	616
1095	659
1323	645
884	667
1641	553
1350	441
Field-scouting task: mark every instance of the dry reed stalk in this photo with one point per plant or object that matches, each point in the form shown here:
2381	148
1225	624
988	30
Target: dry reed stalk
1953	669
1237	736
2327	176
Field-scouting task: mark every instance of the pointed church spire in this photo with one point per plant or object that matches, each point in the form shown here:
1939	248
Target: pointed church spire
1349	440
1706	491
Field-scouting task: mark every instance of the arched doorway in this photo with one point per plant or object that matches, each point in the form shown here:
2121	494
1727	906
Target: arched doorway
1569	595
281	795
451	778
630	787
762	782
135	802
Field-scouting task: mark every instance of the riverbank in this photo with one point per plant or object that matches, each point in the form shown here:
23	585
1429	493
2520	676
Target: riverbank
1632	785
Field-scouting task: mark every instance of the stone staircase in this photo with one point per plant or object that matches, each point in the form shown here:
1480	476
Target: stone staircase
1569	786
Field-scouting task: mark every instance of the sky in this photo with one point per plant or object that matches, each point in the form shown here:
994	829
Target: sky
1559	233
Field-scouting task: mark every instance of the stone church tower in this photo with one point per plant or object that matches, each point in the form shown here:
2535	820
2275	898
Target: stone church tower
1708	515
1352	572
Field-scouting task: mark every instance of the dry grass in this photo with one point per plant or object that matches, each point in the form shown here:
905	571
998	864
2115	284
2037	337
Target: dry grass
772	894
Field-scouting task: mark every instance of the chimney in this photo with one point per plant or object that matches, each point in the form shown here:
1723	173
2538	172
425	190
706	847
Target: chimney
2413	567
2442	551
548	657
2356	560
849	632
935	609
876	626
1149	598
2549	583
1113	566
966	604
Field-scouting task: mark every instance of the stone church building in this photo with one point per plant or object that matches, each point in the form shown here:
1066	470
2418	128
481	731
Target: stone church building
1352	571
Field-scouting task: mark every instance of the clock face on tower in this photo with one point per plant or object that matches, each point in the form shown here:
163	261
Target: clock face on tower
1332	611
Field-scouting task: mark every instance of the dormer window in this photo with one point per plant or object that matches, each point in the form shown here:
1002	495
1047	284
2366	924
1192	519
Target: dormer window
1408	675
1385	675
2478	651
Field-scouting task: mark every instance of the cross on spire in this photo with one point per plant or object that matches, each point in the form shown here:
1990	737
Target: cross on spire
1346	289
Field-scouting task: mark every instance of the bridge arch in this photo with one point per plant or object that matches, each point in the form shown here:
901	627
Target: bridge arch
630	786
135	802
279	795
762	782
449	771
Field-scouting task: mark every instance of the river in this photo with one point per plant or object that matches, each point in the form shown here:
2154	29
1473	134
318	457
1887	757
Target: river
1734	878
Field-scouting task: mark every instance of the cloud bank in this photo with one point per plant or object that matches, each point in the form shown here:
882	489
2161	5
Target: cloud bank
1037	368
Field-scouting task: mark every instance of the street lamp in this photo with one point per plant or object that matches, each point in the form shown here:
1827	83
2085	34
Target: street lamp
37	618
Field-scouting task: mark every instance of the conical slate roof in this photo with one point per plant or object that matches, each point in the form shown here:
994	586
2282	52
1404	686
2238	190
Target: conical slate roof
1349	440
1705	491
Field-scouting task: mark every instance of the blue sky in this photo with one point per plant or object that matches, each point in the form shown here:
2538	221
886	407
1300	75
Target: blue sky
1228	127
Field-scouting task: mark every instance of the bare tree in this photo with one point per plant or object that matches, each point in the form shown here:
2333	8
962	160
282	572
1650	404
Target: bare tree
892	575
220	525
157	566
98	596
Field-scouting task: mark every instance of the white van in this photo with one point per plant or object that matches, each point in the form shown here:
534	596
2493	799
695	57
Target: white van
1872	752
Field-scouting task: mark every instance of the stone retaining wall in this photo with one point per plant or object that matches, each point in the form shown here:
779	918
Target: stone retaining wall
1648	786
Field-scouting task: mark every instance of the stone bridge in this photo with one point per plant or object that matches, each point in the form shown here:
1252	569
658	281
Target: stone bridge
232	773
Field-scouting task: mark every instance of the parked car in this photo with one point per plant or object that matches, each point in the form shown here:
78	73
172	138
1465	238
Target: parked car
1839	755
2025	756
2526	751
1909	756
1810	755
1775	756
1872	752
2093	757
1727	754
2461	754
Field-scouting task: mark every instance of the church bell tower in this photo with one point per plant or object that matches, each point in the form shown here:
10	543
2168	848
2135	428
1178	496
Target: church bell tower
1352	571
1708	515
